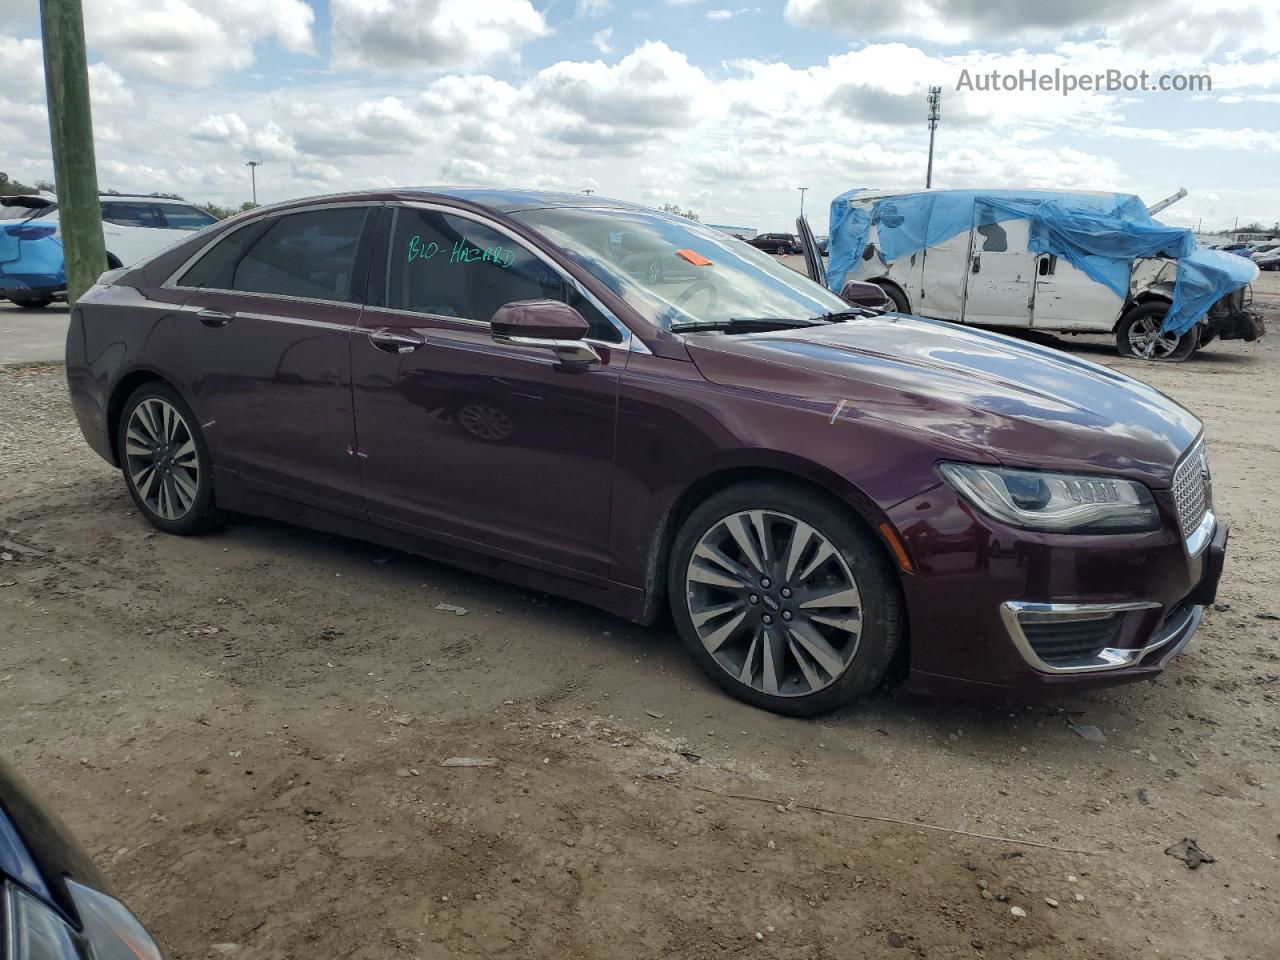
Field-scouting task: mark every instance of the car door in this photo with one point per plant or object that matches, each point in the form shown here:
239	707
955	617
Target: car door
1001	281
813	264
266	354
1067	298
490	446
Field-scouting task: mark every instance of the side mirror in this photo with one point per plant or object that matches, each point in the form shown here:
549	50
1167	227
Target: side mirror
863	294
545	323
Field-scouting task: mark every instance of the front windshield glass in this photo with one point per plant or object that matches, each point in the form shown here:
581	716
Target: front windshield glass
676	272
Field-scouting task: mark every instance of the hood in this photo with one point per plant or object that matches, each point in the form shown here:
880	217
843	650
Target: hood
975	395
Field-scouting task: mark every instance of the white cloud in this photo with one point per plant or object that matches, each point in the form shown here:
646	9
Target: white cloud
592	8
182	42
651	89
719	14
1190	27
600	40
430	35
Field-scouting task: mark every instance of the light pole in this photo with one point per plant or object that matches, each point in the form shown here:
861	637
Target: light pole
802	192
253	166
935	104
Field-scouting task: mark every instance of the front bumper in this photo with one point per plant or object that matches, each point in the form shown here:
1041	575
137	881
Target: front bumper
1237	325
994	610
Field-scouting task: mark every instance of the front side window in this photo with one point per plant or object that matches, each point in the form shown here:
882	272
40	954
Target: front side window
450	266
675	272
131	213
310	255
178	216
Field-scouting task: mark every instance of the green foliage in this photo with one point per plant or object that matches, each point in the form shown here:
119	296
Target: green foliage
679	211
13	188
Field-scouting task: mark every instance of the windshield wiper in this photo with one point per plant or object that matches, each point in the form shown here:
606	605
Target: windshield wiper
743	324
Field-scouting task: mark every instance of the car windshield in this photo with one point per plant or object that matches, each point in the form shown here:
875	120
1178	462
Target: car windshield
677	273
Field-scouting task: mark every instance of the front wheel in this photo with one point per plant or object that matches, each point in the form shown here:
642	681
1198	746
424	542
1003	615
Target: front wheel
33	303
784	598
165	460
1139	335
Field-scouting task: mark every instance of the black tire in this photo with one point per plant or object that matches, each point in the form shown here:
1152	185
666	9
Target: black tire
880	615
896	297
781	251
1151	315
32	303
200	514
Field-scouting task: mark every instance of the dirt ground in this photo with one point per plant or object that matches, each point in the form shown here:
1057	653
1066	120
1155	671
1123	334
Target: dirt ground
247	730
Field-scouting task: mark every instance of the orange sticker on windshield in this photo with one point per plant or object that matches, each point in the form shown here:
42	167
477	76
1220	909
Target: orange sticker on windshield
697	259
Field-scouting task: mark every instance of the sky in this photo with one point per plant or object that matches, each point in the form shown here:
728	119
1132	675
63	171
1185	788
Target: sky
724	109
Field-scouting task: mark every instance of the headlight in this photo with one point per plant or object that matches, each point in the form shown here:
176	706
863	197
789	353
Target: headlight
36	932
1056	502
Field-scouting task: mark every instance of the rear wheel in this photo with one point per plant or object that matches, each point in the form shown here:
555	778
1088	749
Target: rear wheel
33	303
1139	335
165	460
784	598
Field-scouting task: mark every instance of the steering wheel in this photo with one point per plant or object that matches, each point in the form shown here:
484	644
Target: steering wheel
694	288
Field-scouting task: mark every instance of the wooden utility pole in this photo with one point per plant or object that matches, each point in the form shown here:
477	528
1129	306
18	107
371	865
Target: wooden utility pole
66	77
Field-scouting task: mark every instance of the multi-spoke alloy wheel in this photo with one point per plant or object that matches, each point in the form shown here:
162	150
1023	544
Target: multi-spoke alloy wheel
1140	334
161	457
1147	341
774	603
784	598
161	453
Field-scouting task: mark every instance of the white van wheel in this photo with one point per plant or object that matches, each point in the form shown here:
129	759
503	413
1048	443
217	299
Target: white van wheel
1139	336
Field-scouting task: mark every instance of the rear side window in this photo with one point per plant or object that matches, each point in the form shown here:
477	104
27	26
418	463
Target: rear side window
128	213
216	269
454	267
309	255
181	217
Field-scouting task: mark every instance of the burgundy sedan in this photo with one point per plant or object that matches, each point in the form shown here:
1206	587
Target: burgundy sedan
815	491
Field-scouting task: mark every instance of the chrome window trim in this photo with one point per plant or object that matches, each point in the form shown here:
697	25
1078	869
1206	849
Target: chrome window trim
1013	612
624	346
171	282
628	342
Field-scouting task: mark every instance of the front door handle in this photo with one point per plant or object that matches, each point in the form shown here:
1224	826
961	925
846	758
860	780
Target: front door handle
392	342
214	318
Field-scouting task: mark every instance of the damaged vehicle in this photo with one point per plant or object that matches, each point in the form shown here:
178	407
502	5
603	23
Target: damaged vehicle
815	493
1053	261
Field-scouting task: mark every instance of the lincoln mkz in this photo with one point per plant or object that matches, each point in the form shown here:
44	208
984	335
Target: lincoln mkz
818	492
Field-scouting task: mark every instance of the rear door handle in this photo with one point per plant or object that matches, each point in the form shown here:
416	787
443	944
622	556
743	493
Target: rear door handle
392	342
214	318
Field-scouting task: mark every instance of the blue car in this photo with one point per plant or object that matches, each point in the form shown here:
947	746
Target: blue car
54	904
32	273
31	265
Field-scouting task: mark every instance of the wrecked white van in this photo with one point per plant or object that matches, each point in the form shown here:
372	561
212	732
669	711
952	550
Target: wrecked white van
1060	261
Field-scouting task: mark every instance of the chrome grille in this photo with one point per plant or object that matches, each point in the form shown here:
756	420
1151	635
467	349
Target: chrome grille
1191	489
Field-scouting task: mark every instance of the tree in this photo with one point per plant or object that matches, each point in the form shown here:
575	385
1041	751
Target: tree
13	188
679	211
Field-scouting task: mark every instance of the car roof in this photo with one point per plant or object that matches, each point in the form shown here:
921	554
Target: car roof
514	200
141	199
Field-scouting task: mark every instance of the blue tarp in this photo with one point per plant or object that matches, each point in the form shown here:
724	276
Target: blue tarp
1099	234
